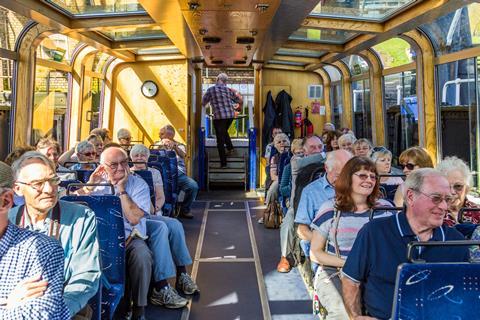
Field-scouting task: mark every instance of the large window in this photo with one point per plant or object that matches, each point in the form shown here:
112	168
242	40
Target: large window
394	52
362	113
401	111
50	104
337	104
10	27
457	99
58	48
5	104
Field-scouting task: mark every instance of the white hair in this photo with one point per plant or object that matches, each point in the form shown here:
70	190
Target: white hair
103	155
450	164
19	164
415	179
347	137
139	149
222	77
123	133
83	146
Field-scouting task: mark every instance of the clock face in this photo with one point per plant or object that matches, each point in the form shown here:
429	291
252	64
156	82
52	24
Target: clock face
149	89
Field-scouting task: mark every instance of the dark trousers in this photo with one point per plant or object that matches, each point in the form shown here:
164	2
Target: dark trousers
139	261
223	139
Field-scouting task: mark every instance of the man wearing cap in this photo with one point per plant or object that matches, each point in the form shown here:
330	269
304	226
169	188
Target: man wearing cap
31	266
73	225
222	100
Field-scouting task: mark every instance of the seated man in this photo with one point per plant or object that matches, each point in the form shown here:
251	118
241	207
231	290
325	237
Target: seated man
149	241
31	266
185	183
72	224
381	245
124	137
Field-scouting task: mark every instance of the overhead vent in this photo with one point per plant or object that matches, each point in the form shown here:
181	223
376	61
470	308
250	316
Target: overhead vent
212	39
217	61
245	40
239	61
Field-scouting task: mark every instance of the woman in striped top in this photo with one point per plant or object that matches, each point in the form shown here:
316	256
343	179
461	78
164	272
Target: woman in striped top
336	226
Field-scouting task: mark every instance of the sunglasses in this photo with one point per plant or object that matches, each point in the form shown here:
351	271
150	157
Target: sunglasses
409	166
458	187
364	176
89	154
436	198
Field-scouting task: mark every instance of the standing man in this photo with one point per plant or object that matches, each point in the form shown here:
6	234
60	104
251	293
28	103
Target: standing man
222	99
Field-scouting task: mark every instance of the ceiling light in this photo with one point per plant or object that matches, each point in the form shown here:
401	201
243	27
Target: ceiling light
262	7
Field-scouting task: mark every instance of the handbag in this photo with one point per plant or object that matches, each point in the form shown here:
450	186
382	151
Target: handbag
272	215
328	301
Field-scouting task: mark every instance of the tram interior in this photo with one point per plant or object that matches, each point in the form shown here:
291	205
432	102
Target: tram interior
400	74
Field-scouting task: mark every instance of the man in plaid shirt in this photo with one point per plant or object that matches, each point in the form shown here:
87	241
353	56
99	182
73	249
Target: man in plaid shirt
31	267
222	99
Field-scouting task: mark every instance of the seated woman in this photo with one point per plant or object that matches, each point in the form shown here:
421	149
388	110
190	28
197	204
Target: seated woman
335	228
362	147
140	154
286	178
346	142
411	159
85	152
459	177
331	140
281	143
97	142
383	162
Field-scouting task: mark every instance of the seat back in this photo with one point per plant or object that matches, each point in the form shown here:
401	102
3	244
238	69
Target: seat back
376	211
148	178
388	190
111	236
166	163
83	175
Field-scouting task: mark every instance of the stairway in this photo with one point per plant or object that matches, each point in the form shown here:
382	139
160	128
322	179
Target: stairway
236	171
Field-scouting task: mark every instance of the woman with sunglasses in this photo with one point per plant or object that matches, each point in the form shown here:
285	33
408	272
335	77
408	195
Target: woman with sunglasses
85	152
459	177
336	226
411	159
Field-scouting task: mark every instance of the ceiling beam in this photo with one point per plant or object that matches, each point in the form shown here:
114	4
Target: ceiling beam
141	44
308	45
306	60
102	44
122	23
342	24
159	57
423	12
282	67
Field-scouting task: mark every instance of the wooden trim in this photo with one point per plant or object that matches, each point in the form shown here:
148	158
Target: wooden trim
460	55
331	23
122	23
326	99
54	65
363	76
306	60
308	45
7	54
139	44
282	67
347	120
406	67
159	57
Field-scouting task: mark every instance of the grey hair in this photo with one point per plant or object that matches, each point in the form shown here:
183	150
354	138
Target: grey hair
84	145
347	137
416	177
330	125
19	164
363	140
139	149
222	77
103	155
332	157
381	153
123	133
450	164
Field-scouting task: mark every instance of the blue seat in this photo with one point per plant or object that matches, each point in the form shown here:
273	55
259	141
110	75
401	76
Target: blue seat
96	304
83	175
435	290
380	210
166	163
148	178
111	236
282	162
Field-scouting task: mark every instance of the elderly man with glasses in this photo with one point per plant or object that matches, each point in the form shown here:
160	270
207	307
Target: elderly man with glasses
73	225
381	245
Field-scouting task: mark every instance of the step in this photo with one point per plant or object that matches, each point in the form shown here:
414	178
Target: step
229	159
227	176
230	165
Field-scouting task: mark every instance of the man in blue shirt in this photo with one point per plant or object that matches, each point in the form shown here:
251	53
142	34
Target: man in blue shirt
381	245
31	266
73	225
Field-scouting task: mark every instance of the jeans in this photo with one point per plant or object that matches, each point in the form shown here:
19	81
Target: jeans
223	138
287	233
190	187
166	239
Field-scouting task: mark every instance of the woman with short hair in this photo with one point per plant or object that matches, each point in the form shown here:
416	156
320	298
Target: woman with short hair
85	152
346	142
362	147
336	226
281	143
382	158
331	140
97	142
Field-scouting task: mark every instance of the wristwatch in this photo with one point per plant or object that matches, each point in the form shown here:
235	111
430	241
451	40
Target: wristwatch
121	193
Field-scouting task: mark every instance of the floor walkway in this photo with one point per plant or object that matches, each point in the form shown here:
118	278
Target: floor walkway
235	267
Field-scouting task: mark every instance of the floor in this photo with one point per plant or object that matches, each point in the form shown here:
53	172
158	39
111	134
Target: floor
234	265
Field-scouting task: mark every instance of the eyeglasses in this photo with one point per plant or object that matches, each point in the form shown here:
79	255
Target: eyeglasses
458	187
436	198
409	166
115	165
364	176
89	154
39	185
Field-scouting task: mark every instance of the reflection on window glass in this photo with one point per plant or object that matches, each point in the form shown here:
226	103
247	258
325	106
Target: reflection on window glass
243	82
5	104
99	62
137	34
455	31
356	64
49	104
394	52
371	10
337	104
362	113
10	27
96	90
58	48
458	110
316	35
400	99
92	7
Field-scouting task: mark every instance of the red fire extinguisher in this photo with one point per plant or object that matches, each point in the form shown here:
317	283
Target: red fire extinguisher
298	118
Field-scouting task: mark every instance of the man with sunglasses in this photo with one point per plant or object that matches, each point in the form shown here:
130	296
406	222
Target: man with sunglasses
73	225
381	245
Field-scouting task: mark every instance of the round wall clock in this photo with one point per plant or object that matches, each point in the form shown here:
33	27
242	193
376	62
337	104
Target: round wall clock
149	89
